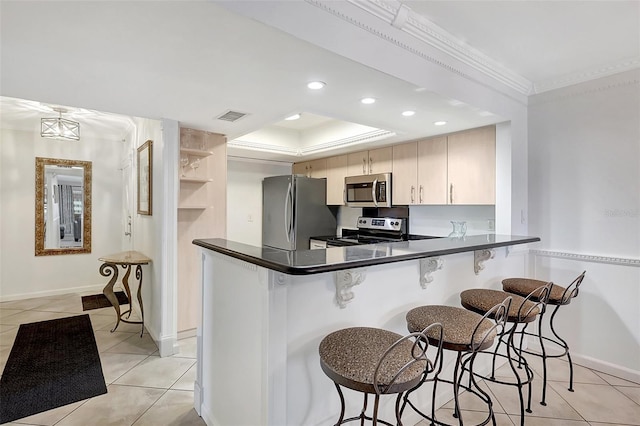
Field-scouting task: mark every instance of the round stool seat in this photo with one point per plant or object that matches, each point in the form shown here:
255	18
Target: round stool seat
350	356
525	286
481	300
458	326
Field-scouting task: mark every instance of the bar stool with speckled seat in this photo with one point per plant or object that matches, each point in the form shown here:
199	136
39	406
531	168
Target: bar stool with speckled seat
523	310
466	333
376	361
559	296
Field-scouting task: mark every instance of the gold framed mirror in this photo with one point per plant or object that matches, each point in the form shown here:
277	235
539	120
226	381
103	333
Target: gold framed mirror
63	206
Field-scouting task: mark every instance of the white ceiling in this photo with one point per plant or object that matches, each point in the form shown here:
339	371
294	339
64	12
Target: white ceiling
119	57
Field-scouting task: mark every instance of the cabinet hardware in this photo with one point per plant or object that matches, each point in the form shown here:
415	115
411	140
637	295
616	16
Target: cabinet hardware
370	165
451	194
364	166
413	191
421	192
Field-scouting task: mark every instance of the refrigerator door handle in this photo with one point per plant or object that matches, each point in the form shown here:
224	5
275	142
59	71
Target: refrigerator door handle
374	193
287	215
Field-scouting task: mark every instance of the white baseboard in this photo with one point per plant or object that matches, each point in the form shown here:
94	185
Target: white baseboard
185	334
167	345
599	365
207	416
197	398
96	287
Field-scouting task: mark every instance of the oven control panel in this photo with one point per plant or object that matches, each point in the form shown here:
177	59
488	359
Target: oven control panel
380	223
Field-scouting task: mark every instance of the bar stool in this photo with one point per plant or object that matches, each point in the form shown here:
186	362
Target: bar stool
523	310
559	296
378	362
466	333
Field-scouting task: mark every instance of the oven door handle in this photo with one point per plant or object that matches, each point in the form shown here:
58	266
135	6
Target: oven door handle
374	192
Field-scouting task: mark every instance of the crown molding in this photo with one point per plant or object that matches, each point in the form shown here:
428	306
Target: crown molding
630	78
583	76
371	136
374	135
401	17
406	20
257	146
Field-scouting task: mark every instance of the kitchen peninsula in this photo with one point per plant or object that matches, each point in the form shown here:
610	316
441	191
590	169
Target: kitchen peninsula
265	311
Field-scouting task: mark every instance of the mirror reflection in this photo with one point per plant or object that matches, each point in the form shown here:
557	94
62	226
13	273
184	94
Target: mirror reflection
63	206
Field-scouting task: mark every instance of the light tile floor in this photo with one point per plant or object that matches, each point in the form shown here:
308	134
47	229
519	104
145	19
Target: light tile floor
144	389
598	399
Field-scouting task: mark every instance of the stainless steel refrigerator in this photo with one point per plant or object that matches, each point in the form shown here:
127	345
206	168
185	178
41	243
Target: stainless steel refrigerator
294	209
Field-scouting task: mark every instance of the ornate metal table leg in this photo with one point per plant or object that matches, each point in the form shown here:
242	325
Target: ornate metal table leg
107	269
125	284
139	277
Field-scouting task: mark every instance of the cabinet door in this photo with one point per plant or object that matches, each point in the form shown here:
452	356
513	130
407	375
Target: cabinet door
318	168
358	163
300	168
432	171
380	160
405	174
336	172
472	166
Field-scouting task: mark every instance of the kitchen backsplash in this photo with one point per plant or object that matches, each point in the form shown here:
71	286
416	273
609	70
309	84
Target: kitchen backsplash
433	220
348	218
436	220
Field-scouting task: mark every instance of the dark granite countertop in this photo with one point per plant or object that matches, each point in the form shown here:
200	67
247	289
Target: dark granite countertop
307	262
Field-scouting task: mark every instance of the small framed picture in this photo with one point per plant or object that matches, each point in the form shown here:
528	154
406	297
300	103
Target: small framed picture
145	178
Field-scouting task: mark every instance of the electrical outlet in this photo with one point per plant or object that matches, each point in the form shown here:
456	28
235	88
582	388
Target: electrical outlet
492	225
250	218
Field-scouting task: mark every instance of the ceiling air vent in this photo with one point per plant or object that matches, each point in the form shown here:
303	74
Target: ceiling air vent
231	116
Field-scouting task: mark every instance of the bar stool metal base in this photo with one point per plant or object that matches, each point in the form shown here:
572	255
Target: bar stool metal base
461	360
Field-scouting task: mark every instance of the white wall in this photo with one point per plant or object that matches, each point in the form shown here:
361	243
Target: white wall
585	206
154	235
244	196
22	274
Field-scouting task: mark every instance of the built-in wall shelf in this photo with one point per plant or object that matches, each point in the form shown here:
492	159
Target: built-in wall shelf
195	180
195	152
202	209
193	207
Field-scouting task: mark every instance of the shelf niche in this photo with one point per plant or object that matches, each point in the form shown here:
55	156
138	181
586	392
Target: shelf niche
202	208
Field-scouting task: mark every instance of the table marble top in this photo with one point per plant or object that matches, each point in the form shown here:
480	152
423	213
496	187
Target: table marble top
130	257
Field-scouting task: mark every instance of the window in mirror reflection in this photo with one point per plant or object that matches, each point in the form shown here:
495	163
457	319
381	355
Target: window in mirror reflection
63	206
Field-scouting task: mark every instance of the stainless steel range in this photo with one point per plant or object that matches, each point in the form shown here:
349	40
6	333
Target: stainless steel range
374	230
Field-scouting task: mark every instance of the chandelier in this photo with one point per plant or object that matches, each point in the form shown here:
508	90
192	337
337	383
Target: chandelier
59	128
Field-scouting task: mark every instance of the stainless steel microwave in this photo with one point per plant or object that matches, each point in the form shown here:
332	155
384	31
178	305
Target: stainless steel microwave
368	190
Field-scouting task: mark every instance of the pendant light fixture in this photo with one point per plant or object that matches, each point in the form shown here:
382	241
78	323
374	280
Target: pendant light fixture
59	128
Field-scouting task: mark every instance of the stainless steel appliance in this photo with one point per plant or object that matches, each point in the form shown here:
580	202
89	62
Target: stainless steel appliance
374	230
368	190
294	209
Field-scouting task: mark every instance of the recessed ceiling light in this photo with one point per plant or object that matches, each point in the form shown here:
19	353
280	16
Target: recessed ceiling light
368	101
439	123
293	117
408	113
316	85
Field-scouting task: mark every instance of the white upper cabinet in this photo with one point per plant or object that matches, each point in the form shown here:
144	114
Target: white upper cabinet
472	166
453	169
370	162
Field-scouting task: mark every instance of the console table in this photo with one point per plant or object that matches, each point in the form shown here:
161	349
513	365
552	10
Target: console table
125	259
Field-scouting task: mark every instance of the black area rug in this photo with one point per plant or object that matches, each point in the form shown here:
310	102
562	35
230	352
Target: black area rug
52	363
97	301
